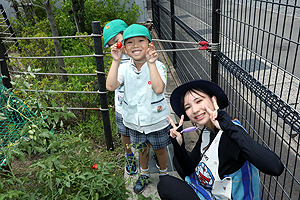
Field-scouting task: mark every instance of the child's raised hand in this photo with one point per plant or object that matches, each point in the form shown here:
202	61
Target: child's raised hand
213	114
116	53
151	55
173	131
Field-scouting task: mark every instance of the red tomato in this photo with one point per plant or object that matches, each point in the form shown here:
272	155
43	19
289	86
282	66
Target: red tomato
119	45
95	166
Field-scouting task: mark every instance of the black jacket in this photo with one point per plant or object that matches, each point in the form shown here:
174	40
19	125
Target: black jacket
236	146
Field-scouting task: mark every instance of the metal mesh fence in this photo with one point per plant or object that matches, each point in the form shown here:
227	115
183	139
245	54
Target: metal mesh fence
258	62
14	115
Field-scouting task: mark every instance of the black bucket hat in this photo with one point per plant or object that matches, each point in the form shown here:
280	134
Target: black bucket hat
208	86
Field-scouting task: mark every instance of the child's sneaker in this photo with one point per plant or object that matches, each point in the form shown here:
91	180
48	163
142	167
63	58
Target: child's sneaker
156	160
130	165
141	183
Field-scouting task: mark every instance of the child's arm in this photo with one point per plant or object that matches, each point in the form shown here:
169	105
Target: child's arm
157	83
112	77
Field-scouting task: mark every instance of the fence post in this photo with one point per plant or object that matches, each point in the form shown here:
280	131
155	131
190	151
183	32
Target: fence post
156	16
173	31
215	38
8	23
3	65
102	84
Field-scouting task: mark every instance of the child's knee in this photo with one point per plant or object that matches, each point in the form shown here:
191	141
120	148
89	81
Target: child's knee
160	151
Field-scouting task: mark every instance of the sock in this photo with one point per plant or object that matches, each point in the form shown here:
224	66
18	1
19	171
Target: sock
145	172
127	155
163	172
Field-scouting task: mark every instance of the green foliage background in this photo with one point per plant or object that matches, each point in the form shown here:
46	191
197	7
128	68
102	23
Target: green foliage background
103	11
63	144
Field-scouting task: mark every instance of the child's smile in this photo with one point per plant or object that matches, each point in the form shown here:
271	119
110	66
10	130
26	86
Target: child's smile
136	47
136	52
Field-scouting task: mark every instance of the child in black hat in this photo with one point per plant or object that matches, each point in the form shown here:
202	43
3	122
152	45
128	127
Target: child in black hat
225	160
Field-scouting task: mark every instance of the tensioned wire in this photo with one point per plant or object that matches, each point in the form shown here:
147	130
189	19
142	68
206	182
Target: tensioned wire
94	55
59	74
183	54
92	35
78	56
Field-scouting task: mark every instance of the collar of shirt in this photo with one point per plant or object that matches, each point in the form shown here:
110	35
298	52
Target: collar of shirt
125	58
133	67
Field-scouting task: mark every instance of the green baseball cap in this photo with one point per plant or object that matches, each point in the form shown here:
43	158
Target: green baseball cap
113	28
135	30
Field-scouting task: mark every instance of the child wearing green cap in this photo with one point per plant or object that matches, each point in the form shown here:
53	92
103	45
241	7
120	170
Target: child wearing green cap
113	33
144	107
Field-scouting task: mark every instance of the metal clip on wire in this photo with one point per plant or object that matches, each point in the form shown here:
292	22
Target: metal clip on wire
209	46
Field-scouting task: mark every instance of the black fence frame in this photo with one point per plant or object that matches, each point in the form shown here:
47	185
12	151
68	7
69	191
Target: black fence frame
97	36
270	116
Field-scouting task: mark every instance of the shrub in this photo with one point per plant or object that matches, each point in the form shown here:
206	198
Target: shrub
63	169
103	11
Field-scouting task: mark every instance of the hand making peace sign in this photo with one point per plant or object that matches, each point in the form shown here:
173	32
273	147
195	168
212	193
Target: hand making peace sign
173	131
151	55
213	114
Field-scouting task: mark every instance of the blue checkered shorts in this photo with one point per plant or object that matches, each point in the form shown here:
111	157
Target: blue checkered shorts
158	139
121	128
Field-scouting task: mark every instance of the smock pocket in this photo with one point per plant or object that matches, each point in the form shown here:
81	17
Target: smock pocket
158	106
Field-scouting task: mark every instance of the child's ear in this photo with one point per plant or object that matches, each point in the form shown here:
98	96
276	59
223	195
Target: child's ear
125	49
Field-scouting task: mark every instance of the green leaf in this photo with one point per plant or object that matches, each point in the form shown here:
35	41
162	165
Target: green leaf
8	155
2	196
18	181
56	118
18	151
49	120
58	165
58	181
82	177
36	70
65	115
27	84
10	181
60	190
44	105
53	145
71	114
53	103
39	165
64	108
68	184
40	149
22	157
31	74
45	133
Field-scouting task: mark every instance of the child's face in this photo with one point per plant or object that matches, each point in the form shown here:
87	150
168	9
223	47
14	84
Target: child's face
114	40
194	106
136	47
